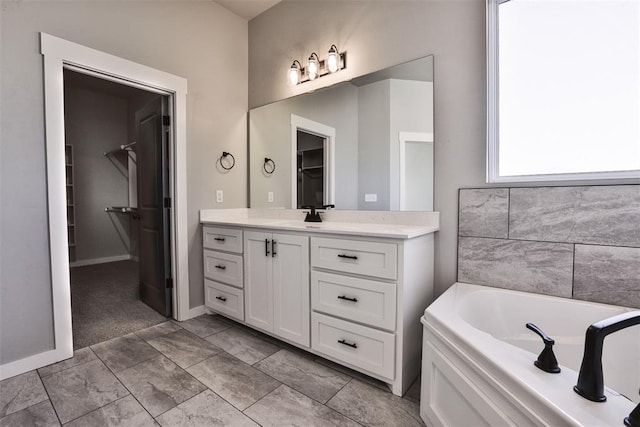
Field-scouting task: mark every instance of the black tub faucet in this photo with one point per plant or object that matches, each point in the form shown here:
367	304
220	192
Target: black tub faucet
590	380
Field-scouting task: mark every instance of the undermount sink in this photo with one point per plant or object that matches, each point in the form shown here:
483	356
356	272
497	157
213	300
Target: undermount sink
302	224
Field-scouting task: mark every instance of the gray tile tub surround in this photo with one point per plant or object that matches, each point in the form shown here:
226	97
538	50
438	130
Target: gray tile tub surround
601	215
484	212
538	267
607	274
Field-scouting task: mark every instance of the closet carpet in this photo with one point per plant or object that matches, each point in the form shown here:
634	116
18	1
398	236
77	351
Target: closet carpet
105	303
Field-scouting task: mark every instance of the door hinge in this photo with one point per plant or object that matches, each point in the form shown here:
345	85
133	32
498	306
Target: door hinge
166	121
167	202
169	282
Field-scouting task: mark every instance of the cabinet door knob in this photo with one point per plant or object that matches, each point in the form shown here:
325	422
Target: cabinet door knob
347	256
344	297
349	344
219	239
223	299
221	267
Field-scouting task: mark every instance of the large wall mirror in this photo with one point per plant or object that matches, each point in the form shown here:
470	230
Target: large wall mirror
365	144
564	90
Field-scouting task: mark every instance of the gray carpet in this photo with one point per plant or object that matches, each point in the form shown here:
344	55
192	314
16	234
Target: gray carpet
105	303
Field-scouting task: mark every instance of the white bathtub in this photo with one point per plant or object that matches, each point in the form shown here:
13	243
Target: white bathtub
478	361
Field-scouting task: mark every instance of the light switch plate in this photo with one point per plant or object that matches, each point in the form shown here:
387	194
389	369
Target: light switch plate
370	197
219	196
270	197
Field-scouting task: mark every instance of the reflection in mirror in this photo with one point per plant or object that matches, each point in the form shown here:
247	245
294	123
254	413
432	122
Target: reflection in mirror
366	144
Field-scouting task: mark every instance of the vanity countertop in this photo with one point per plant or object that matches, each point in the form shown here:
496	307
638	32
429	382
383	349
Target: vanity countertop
396	225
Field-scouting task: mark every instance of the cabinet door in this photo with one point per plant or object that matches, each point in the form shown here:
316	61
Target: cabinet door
258	272
291	288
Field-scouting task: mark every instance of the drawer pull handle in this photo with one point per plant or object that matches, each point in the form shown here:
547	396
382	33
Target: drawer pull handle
223	299
219	239
221	267
266	247
347	256
347	298
352	345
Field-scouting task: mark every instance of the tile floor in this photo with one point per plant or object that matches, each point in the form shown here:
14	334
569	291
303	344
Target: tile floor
207	371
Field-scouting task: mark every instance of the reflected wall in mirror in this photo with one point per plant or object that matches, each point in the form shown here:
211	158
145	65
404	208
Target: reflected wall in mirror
373	144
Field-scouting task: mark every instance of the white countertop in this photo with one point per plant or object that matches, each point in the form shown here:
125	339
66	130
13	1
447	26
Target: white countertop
397	225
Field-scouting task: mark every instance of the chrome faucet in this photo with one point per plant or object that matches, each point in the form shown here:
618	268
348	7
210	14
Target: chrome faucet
590	380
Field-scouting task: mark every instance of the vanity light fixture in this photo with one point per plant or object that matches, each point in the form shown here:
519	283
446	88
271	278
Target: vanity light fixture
294	73
316	67
313	66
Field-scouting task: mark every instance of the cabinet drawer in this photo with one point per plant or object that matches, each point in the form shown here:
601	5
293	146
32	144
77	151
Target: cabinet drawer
357	345
354	256
224	299
225	268
224	239
361	300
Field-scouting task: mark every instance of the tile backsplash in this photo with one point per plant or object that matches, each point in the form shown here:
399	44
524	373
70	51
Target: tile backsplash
575	242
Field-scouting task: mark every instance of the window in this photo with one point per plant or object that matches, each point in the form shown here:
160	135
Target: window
563	90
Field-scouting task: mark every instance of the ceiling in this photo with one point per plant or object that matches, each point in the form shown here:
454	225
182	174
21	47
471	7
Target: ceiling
248	9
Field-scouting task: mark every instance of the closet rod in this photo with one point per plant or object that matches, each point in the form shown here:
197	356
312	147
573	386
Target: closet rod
124	147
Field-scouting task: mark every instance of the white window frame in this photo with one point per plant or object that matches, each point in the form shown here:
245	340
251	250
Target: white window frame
493	152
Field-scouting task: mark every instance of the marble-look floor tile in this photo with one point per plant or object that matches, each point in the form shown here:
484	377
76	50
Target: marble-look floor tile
287	407
484	212
123	412
233	380
246	346
205	325
353	374
607	274
539	267
600	215
80	356
184	348
38	415
156	331
123	352
304	375
20	392
205	409
373	407
81	389
159	384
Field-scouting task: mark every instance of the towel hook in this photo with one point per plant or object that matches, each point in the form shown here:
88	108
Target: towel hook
226	154
269	166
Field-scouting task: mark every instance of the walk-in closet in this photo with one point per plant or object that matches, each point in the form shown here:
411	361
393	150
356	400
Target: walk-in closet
105	200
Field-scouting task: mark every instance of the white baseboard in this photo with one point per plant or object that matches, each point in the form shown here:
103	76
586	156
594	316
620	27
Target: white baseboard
30	363
104	260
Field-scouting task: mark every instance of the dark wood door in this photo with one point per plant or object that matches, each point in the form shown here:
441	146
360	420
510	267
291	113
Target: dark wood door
152	155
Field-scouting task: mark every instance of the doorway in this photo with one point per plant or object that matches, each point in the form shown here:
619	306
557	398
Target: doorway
117	174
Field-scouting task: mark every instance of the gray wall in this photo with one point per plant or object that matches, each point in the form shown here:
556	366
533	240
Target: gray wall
377	35
95	123
200	41
572	242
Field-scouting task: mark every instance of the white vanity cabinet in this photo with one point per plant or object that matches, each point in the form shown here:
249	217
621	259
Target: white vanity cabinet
277	284
223	270
352	293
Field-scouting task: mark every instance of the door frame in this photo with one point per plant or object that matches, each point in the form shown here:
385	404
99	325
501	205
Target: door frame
329	134
60	54
403	138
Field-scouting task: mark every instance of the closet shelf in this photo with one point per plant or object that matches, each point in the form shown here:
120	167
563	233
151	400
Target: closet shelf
121	149
121	209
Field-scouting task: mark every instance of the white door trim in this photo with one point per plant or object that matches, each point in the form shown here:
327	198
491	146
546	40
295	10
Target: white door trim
58	54
405	137
327	132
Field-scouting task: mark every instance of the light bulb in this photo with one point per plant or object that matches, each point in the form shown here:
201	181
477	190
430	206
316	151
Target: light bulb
293	74
333	59
312	66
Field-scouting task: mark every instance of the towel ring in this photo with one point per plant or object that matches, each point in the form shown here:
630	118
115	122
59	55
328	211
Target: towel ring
224	156
269	166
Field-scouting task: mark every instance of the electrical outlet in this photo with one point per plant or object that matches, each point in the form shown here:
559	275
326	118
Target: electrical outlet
270	197
219	196
370	197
